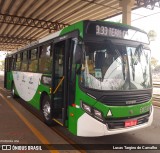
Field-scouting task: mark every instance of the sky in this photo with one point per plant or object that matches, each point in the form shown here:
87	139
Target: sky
2	55
146	20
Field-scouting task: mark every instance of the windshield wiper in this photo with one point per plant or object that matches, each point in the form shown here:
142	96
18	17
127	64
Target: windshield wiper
140	46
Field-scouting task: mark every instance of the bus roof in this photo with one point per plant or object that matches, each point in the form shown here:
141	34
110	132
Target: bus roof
75	25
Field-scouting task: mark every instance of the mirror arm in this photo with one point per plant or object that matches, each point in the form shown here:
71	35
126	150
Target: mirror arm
78	70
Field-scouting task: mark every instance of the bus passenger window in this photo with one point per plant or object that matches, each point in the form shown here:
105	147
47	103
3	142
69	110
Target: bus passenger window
13	62
24	61
45	60
18	62
33	60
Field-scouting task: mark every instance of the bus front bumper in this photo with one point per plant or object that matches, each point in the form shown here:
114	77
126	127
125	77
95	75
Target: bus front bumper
88	126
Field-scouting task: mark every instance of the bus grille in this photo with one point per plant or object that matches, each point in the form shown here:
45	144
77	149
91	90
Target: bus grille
115	124
125	100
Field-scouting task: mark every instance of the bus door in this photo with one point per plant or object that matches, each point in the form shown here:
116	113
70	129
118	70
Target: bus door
5	72
7	69
62	66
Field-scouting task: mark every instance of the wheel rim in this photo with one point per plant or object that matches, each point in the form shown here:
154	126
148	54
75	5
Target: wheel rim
47	110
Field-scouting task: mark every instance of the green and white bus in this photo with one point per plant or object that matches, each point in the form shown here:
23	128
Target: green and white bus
92	77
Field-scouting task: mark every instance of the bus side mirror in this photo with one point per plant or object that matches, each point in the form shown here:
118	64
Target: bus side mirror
78	55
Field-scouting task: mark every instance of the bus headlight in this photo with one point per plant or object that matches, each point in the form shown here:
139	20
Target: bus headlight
97	114
86	108
92	111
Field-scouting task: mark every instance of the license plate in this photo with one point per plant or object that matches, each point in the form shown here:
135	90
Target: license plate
130	123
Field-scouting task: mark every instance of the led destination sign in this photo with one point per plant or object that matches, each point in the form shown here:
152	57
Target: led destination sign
107	29
111	32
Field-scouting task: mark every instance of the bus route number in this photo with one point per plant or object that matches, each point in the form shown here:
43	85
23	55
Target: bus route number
112	32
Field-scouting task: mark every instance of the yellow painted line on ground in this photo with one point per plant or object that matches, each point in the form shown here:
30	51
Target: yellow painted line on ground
30	126
58	132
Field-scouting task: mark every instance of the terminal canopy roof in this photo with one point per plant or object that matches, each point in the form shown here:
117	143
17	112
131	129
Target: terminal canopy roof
24	21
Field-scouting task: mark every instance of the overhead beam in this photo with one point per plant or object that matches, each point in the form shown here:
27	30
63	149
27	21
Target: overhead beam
13	39
126	11
14	44
35	23
6	47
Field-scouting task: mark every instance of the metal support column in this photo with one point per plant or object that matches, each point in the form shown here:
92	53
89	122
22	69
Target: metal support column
126	10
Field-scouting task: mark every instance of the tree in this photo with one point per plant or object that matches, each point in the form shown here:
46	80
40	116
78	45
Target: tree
154	62
1	65
157	68
152	35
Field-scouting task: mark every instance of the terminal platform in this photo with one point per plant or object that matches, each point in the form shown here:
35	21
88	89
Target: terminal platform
19	126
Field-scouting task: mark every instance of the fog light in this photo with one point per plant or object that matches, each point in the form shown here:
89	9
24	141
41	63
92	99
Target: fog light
97	114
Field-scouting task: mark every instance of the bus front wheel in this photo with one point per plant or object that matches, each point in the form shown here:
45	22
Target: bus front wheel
46	110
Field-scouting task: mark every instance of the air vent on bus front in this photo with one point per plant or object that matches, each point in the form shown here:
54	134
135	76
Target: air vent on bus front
124	100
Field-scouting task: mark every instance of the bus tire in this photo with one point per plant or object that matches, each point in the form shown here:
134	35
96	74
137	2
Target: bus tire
13	91
46	110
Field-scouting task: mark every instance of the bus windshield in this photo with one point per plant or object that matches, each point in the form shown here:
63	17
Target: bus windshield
109	66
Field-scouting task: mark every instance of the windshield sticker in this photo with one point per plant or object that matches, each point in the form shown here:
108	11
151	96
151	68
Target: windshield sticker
98	73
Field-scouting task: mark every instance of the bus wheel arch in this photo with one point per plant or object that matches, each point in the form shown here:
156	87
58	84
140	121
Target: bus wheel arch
45	106
13	90
43	94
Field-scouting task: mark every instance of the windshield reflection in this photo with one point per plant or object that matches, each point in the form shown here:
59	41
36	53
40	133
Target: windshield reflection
115	67
139	66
